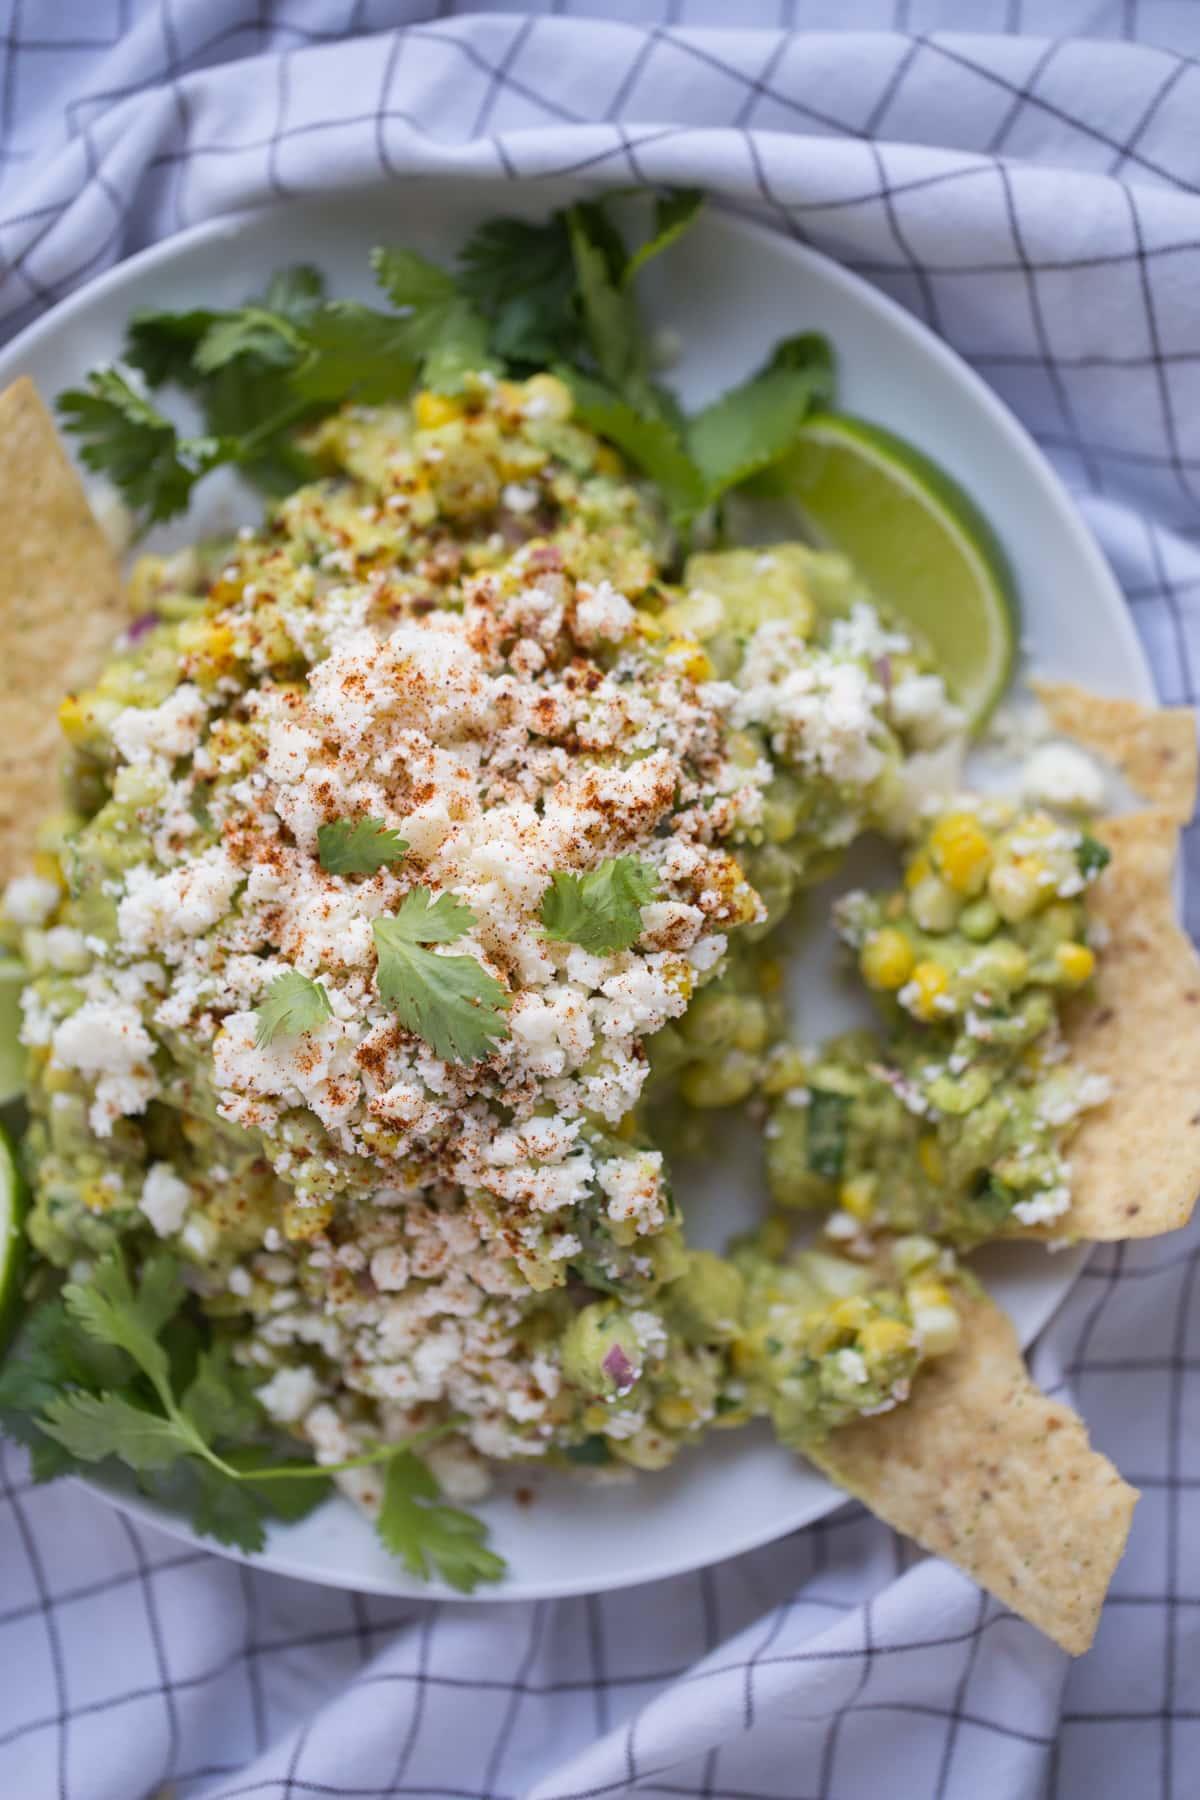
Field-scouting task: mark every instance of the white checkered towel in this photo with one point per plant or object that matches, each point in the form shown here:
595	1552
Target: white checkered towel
1038	202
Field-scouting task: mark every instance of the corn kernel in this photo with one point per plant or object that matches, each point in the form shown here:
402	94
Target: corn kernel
940	1328
209	649
687	656
1076	962
934	904
929	1155
306	1219
596	1416
731	1416
47	865
884	1337
886	959
857	1197
850	1314
99	1195
73	720
432	410
1015	888
608	462
918	870
627	1127
744	1353
546	397
962	852
927	1293
675	1412
930	982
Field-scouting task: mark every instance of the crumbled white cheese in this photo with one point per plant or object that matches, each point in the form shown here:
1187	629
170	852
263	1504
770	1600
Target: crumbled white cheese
30	899
165	1199
289	1394
1063	776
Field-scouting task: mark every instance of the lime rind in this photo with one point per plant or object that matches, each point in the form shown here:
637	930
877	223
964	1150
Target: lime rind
990	588
12	1236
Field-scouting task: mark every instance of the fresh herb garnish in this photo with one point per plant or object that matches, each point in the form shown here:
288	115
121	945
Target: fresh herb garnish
599	911
94	1381
358	846
450	1001
828	1119
418	1528
292	1004
1091	855
559	295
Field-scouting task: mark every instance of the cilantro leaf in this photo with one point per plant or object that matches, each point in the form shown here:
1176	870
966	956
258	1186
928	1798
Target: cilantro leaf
296	292
674	211
55	1354
135	445
807	353
292	1004
112	1311
358	846
411	280
251	332
218	1401
288	1497
748	427
94	1426
354	353
450	1001
521	277
1091	855
162	344
424	1533
599	911
229	1511
652	444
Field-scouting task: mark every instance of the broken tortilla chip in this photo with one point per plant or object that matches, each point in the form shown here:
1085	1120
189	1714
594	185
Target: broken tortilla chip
60	607
980	1467
1154	747
1135	1160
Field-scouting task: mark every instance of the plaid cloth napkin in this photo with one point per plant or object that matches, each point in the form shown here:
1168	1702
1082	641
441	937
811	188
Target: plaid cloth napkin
1037	201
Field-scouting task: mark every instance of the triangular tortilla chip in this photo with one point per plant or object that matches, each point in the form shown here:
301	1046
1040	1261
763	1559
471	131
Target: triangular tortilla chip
60	607
981	1468
1154	747
1135	1161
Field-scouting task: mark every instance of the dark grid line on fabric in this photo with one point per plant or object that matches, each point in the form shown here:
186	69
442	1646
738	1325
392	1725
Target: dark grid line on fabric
146	1584
711	1629
1154	107
1039	103
1016	106
1175	1427
62	1714
833	1730
1170	422
105	1584
956	1716
407	1749
508	1724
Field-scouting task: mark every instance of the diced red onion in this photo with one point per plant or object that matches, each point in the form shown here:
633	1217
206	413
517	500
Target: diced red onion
618	1368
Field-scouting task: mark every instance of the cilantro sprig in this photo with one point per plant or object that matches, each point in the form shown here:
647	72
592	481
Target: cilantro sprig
600	911
113	1371
450	1001
560	294
292	1004
358	846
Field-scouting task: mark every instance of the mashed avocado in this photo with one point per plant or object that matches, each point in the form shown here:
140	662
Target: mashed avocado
301	1008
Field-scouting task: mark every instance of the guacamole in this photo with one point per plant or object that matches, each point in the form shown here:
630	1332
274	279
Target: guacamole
409	843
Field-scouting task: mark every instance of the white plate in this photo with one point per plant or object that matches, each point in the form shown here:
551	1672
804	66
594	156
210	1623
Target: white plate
730	289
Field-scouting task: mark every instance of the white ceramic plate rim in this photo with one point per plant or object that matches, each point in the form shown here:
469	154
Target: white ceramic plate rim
129	277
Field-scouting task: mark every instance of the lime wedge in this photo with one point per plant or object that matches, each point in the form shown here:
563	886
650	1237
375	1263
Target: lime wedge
12	1238
12	1051
920	543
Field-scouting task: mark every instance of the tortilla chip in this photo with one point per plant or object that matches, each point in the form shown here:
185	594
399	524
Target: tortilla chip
981	1468
1154	747
60	607
1135	1161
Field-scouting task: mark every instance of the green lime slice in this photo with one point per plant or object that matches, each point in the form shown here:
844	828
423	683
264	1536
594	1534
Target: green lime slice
12	1051
920	543
12	1238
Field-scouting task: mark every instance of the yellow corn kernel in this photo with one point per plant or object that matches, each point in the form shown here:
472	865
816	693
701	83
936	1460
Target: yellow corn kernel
99	1195
58	1081
627	1127
1016	888
857	1197
1076	962
596	1416
608	462
680	977
675	1412
208	647
74	720
48	867
745	1352
886	959
927	1294
919	869
850	1314
884	1337
546	397
962	852
929	1155
305	1219
770	975
432	410
686	655
930	981
734	1415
